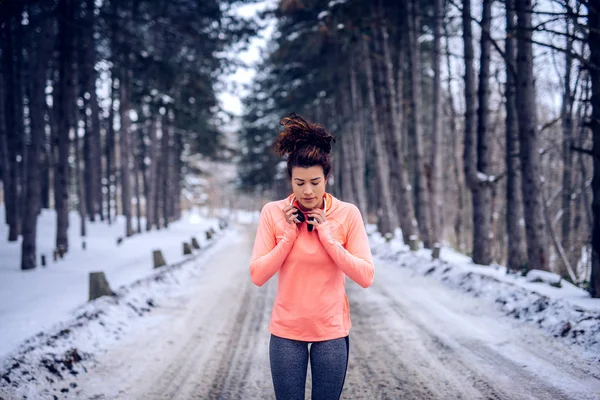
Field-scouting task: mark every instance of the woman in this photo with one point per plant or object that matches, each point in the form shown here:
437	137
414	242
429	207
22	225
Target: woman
313	240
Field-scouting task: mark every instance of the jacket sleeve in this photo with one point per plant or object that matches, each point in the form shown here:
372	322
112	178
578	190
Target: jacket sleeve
355	260
267	257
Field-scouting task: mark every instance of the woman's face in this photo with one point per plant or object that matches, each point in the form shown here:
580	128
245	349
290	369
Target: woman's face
308	185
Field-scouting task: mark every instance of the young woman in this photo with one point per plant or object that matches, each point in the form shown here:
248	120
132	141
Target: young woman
314	241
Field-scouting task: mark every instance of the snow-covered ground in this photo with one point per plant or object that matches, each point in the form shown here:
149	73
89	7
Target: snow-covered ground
449	312
33	301
561	309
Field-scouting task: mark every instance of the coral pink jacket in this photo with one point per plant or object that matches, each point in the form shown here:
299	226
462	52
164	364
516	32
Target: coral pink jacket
311	303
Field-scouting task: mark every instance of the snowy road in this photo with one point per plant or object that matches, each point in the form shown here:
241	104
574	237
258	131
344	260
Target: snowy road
411	339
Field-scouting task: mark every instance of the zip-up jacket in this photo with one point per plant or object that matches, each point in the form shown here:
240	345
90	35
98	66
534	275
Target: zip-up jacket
311	303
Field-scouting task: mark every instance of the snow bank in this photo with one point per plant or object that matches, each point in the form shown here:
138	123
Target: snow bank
49	363
541	298
32	301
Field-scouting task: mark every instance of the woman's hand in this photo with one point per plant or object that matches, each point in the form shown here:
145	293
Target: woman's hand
290	215
318	218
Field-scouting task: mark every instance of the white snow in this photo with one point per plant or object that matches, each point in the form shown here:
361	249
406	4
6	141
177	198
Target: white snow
322	15
566	312
50	333
33	301
536	275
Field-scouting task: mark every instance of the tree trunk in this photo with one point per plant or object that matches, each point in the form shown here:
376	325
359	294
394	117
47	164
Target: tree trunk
83	165
346	170
436	203
95	156
20	47
110	147
535	227
421	175
3	92
136	177
46	161
13	135
388	217
65	102
88	148
402	199
158	178
516	258
33	186
80	180
456	167
358	147
482	215
567	186
125	149
178	177
151	203
165	167
594	43
144	172
470	138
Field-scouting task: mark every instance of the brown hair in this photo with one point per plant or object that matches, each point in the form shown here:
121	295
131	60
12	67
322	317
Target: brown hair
305	144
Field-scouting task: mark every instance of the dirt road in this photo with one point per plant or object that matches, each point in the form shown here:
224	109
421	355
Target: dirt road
411	339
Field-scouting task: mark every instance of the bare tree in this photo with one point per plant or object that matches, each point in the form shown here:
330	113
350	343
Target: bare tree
423	210
436	137
399	176
33	188
65	101
470	151
357	134
11	170
125	149
535	227
594	43
388	218
95	155
516	257
482	214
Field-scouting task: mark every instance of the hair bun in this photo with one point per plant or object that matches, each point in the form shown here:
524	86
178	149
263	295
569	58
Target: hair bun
298	133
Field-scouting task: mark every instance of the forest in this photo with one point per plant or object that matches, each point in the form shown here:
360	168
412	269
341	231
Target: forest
474	124
102	103
469	123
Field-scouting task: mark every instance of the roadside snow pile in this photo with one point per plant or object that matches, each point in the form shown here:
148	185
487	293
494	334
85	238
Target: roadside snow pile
558	307
47	365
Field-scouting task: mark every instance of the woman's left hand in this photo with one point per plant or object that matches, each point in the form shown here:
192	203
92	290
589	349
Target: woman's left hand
319	218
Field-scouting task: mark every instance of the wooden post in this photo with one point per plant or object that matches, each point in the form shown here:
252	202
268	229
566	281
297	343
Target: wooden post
99	286
187	249
413	242
159	260
43	260
195	243
435	253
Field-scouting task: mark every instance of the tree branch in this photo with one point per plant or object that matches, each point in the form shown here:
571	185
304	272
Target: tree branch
581	150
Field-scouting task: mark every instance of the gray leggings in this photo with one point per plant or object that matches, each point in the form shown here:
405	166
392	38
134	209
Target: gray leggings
289	363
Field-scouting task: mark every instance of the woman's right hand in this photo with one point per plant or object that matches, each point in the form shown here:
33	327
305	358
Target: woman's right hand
290	215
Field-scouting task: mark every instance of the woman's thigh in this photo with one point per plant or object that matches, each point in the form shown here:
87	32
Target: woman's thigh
328	365
289	363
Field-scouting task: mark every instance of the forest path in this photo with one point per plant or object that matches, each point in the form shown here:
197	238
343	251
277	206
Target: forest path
411	339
